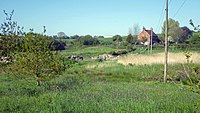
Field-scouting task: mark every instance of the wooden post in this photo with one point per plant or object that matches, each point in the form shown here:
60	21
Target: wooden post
166	45
151	40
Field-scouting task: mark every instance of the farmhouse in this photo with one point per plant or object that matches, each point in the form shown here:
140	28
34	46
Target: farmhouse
145	37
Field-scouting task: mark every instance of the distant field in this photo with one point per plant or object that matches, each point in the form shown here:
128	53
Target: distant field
89	51
105	39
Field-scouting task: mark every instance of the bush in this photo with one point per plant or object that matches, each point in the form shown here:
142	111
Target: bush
57	45
117	38
87	40
195	39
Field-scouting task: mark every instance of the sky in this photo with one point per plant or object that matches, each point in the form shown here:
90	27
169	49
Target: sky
97	17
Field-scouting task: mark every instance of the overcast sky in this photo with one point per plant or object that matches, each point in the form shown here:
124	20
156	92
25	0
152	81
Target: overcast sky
97	17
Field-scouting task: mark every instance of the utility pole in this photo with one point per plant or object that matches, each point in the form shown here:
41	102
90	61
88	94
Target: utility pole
151	40
166	44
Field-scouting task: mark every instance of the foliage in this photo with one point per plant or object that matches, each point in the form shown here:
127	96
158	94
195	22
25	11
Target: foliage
36	59
61	35
161	37
9	27
87	40
178	34
57	45
129	39
117	38
144	39
186	34
100	36
75	37
172	24
195	39
196	28
31	53
10	31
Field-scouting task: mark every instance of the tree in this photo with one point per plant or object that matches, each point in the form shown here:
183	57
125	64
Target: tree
129	39
10	31
136	29
37	60
57	45
117	38
32	53
75	37
87	40
173	26
100	36
181	34
195	39
177	34
187	33
196	28
61	35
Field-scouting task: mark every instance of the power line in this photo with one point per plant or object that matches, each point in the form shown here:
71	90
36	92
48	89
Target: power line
161	18
179	8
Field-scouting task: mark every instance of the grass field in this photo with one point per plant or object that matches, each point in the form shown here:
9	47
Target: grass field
107	40
74	95
104	87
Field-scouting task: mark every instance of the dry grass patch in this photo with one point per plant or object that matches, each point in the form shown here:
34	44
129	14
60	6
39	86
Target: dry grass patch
158	58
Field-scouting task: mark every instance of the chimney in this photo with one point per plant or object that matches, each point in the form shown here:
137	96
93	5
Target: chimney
144	28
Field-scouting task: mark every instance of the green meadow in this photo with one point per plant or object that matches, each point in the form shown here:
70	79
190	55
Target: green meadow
90	86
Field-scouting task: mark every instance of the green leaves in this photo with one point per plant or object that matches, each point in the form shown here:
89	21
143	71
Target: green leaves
31	53
37	59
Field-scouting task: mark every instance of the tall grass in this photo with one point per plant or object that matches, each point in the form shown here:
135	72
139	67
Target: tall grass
158	58
98	97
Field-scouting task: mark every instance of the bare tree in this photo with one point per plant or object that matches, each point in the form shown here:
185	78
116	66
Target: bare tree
130	31
136	29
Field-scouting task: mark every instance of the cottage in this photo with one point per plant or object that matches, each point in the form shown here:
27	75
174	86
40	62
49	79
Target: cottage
145	37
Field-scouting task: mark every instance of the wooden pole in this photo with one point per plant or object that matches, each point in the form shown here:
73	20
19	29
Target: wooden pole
151	40
166	45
